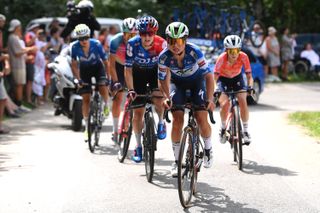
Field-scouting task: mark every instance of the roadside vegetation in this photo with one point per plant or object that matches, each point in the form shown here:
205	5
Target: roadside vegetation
309	120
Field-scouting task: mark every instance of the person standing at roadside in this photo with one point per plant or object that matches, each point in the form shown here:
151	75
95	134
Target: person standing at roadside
273	54
286	52
30	40
17	58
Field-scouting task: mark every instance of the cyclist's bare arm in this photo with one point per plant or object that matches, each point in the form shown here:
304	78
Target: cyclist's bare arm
75	69
249	79
112	68
106	65
165	84
128	77
210	86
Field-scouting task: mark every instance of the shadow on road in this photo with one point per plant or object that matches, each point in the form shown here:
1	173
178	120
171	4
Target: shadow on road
214	199
253	168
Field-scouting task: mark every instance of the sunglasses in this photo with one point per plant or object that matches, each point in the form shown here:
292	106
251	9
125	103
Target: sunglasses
129	35
233	51
147	33
173	41
83	38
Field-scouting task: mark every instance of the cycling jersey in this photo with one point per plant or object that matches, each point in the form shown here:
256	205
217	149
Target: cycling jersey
96	53
136	54
188	77
194	64
118	47
225	69
90	65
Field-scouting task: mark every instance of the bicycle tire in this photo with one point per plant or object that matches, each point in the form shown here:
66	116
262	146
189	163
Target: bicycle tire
198	156
91	128
125	136
239	141
149	147
186	172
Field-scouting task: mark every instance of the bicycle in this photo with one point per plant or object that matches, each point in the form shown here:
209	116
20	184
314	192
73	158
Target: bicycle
96	117
190	157
234	127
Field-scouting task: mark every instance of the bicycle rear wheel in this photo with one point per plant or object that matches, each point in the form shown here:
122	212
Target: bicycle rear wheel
92	127
186	168
149	141
125	135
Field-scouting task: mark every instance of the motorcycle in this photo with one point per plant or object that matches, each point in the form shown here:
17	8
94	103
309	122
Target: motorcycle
63	91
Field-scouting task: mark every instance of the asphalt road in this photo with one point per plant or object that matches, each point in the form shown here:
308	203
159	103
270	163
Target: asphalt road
46	167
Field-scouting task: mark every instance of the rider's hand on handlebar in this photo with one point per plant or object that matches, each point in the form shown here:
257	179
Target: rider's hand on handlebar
116	86
167	103
132	94
216	93
210	105
250	90
78	83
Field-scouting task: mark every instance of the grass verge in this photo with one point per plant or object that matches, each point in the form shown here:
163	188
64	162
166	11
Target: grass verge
309	120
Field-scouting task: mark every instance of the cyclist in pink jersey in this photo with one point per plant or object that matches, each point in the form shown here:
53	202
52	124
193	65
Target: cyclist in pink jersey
117	60
228	77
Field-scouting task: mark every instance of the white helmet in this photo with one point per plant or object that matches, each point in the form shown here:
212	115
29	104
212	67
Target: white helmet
81	30
232	41
85	4
177	30
129	25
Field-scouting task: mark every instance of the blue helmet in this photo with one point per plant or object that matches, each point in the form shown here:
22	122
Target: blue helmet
147	24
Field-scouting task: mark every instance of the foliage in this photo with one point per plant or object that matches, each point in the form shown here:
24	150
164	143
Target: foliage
310	120
300	16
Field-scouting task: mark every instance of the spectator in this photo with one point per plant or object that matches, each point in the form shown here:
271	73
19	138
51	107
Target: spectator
260	52
39	66
17	59
4	70
286	52
273	54
103	38
312	56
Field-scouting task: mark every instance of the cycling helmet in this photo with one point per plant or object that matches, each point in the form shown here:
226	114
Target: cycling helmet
85	4
177	30
129	25
232	41
147	24
81	30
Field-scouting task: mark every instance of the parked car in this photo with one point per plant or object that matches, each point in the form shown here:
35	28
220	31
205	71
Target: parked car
211	52
104	22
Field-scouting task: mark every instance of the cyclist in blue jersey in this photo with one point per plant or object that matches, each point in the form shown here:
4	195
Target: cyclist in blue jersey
182	67
141	68
89	60
117	60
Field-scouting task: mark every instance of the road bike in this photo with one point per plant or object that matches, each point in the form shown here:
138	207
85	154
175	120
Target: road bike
234	127
96	116
190	157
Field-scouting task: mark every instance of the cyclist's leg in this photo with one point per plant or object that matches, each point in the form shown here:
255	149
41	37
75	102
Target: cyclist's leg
244	111
224	86
198	92
178	101
116	103
103	89
158	102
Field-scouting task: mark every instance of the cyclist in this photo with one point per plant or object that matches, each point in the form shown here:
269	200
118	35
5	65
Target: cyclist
228	77
117	60
183	65
89	60
141	67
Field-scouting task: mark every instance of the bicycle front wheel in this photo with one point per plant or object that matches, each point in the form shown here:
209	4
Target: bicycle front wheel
149	142
186	168
125	135
238	139
92	128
